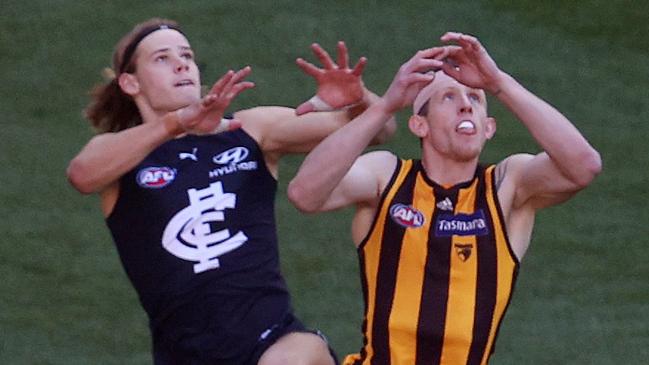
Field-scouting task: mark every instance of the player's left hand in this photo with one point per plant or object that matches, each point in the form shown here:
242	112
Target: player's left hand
338	85
206	115
471	64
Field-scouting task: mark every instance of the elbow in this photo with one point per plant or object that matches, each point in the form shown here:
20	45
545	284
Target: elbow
591	166
78	177
300	198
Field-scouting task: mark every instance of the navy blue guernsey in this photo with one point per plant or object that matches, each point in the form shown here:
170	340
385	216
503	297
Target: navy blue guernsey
194	226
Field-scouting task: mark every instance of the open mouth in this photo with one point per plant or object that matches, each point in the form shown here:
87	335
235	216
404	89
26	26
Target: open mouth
466	127
182	83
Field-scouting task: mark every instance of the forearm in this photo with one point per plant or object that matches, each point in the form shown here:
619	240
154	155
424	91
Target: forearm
388	129
556	135
328	163
109	156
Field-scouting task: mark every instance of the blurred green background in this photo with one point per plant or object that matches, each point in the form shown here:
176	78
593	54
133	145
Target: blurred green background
583	292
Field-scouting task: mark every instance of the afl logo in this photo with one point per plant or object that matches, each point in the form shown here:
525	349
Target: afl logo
406	216
231	156
155	177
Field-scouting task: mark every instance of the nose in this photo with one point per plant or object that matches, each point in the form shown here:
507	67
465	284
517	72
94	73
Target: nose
181	64
465	105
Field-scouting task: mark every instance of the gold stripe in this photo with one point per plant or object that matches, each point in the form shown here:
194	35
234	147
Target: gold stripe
372	253
351	359
410	280
506	264
462	288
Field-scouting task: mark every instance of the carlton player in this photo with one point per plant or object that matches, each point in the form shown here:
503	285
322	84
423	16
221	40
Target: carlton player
191	210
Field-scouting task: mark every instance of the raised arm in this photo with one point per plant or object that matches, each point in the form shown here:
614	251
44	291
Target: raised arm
331	176
340	97
108	156
338	85
568	163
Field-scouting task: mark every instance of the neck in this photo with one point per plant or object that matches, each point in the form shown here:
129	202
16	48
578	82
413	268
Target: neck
148	114
447	171
153	116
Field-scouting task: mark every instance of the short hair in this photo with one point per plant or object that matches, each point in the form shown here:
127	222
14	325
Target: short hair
423	111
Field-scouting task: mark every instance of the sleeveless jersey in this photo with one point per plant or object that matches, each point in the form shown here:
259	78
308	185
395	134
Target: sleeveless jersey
437	271
194	227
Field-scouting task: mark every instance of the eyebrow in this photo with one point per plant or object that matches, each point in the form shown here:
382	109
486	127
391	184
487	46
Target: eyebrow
166	49
446	89
160	50
457	88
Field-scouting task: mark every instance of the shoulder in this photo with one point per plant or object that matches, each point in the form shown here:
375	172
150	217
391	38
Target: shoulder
380	164
380	161
507	179
510	169
263	113
379	156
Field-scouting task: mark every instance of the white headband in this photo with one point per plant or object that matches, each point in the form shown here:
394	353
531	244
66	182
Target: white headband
422	98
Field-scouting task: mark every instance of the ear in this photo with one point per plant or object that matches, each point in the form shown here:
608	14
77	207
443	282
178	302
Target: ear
129	83
418	125
490	127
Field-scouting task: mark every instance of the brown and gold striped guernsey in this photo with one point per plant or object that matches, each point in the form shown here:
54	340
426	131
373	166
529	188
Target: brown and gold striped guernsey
437	271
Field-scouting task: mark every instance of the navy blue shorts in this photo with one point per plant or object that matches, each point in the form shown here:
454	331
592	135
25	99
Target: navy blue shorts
197	348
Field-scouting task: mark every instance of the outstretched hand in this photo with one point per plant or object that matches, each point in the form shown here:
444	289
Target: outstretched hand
205	116
338	85
413	76
471	64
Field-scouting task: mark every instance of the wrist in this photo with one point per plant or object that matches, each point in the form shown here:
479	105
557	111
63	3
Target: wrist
369	97
500	84
383	107
365	102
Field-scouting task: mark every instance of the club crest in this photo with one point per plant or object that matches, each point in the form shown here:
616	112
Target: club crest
463	251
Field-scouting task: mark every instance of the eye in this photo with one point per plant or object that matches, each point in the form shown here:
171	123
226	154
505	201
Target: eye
448	96
161	58
474	97
188	55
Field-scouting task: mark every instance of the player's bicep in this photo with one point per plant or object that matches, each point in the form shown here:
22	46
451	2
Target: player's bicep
539	182
364	182
259	122
278	130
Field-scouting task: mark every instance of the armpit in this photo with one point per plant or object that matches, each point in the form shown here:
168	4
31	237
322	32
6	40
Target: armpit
501	170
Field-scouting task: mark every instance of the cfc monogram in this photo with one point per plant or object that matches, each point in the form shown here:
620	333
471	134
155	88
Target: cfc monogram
189	236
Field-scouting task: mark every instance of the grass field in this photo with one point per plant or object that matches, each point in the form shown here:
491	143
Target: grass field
583	292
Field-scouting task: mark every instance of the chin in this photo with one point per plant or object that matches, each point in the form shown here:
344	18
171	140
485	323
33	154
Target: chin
467	155
182	101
